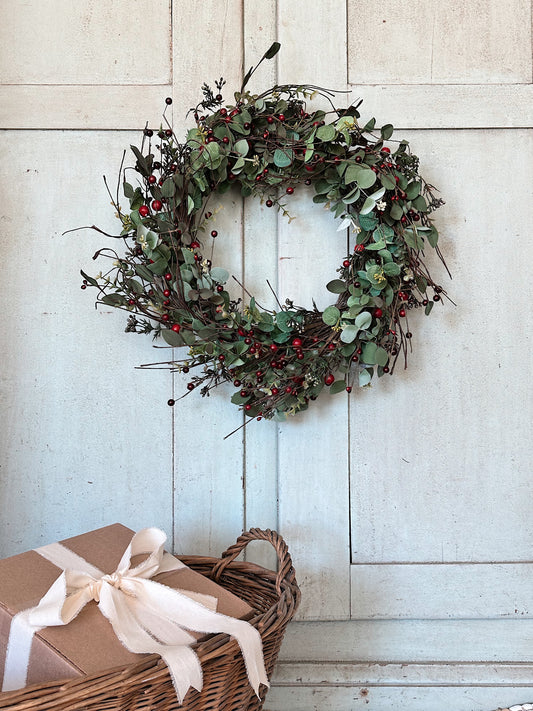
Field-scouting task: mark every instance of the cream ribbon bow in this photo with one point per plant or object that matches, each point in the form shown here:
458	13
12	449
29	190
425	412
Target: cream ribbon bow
146	616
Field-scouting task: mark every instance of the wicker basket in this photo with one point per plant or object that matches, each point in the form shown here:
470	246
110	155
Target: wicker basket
146	685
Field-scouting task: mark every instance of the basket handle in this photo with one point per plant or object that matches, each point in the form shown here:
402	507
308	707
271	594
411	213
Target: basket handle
285	567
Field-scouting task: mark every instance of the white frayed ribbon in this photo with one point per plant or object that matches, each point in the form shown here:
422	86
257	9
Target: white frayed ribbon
146	616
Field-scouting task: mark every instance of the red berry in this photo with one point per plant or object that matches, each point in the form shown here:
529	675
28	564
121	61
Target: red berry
346	263
223	112
247	407
168	100
225	139
290	190
401	312
168	276
220	288
166	292
194	245
385	149
288	389
190	386
297	342
222	357
281	117
176	328
269	203
165	317
214	233
274	391
273	347
349	389
144	210
378	313
152	179
157	205
359	248
331	346
329	379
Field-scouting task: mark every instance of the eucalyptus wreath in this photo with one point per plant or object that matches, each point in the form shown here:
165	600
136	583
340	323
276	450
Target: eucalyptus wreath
267	145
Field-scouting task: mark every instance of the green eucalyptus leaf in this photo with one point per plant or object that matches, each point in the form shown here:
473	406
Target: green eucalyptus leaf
172	338
387	131
433	236
391	269
365	376
331	315
113	300
349	333
381	357
363	320
388	182
420	204
90	279
337	286
283	157
338	386
412	190
188	337
219	275
241	147
168	189
128	190
369	353
396	211
326	133
368	205
368	222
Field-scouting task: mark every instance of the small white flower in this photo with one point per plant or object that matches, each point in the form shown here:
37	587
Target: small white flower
356	229
381	205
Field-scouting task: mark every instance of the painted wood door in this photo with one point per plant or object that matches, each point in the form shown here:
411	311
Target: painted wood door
406	507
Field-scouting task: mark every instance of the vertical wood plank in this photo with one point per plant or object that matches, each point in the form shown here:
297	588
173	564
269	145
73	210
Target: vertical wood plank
313	447
260	265
81	424
207	41
417	490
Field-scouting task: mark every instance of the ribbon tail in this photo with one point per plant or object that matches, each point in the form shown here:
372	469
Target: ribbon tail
185	669
182	610
182	661
18	652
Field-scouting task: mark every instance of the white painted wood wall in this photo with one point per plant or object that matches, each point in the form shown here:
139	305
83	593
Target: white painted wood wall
408	507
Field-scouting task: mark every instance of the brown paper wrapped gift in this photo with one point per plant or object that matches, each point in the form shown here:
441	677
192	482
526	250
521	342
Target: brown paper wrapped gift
87	644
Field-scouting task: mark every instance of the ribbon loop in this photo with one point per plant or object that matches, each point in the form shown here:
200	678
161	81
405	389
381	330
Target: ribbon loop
146	616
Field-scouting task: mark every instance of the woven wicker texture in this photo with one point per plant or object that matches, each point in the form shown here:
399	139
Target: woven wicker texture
146	686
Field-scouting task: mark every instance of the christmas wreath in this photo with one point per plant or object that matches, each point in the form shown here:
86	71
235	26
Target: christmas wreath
267	145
